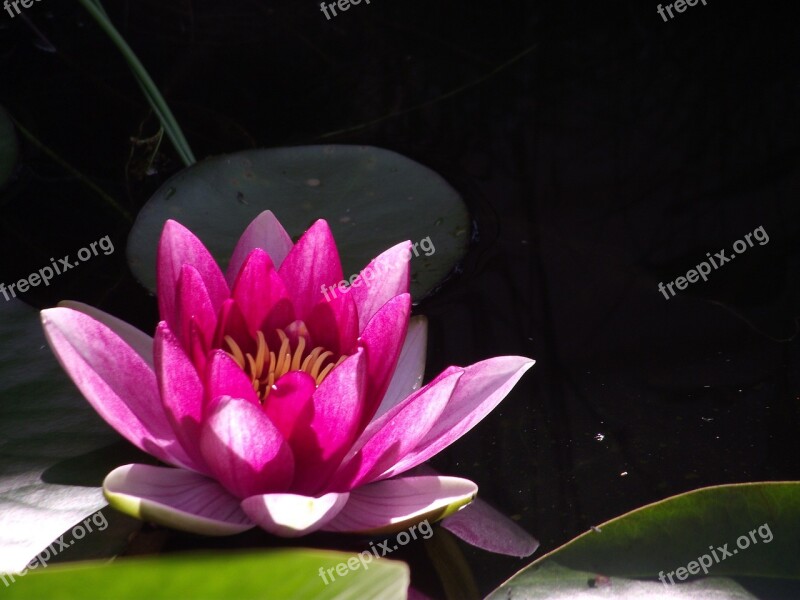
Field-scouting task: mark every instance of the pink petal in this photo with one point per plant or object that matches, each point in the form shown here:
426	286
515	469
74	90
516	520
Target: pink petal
225	378
383	339
391	437
290	407
410	370
139	341
177	247
337	404
244	450
484	527
181	393
334	325
116	381
231	322
382	279
264	232
310	266
293	515
194	319
261	295
481	388
396	504
320	447
175	498
198	346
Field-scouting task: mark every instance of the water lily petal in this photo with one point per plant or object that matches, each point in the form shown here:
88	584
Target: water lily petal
293	515
244	450
311	265
320	447
175	498
482	526
139	341
479	390
410	370
115	379
261	295
337	403
385	277
383	339
396	504
231	322
178	247
181	393
225	378
334	324
194	319
290	406
265	232
392	436
198	346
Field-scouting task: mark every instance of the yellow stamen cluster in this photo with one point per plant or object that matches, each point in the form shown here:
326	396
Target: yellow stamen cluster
267	366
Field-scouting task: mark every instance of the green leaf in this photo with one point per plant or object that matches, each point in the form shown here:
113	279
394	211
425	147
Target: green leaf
554	582
759	522
53	449
8	147
284	574
372	199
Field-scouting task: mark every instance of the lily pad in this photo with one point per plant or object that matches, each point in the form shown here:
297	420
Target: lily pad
8	147
757	524
285	574
372	199
554	582
51	465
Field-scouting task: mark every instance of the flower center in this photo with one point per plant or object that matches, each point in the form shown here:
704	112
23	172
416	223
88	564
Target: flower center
267	366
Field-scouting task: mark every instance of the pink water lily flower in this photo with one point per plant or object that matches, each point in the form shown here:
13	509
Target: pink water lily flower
274	405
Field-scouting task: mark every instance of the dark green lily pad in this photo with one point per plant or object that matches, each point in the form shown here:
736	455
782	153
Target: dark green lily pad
658	539
284	574
50	466
372	199
8	147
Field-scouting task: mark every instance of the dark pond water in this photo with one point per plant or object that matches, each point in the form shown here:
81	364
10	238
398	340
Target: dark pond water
601	151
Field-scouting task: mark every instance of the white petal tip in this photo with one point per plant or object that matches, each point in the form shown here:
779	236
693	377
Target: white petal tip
292	515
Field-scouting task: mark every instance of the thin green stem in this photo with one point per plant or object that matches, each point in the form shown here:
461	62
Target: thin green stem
149	88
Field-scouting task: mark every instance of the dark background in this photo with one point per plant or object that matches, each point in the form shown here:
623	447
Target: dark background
601	151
